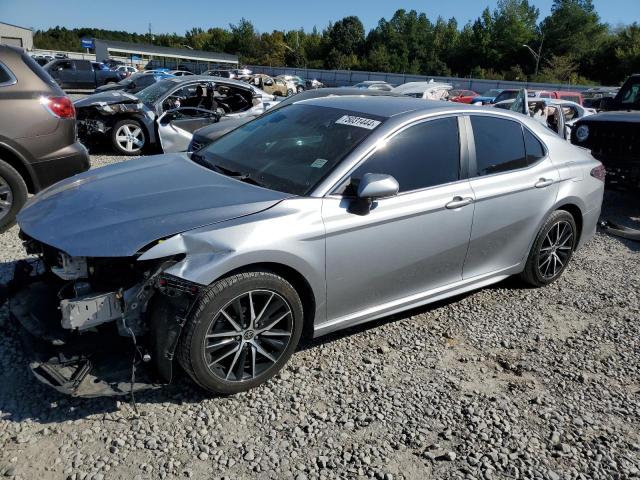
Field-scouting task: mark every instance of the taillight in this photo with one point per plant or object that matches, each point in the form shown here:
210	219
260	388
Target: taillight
61	107
599	172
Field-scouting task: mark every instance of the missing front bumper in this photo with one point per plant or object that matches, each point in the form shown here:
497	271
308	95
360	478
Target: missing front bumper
92	364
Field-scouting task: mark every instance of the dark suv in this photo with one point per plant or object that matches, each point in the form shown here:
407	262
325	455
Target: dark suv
613	135
38	144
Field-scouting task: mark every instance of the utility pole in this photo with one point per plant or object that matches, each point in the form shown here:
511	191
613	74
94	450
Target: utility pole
537	55
150	35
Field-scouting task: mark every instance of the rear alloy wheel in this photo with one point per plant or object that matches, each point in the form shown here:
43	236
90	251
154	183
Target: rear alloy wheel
13	195
128	137
289	92
552	249
243	331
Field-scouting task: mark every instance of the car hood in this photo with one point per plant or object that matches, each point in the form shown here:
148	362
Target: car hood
117	210
106	98
625	116
216	130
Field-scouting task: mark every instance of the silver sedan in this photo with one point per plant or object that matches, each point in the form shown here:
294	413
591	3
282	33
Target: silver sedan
324	214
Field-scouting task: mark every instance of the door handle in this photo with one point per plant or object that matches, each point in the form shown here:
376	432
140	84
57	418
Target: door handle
458	202
543	182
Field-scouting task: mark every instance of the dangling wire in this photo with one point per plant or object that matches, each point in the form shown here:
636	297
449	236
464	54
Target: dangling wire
136	351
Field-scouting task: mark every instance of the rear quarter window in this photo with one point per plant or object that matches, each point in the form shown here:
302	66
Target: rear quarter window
6	76
41	73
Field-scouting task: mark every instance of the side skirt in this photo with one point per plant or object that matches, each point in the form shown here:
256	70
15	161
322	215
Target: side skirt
413	301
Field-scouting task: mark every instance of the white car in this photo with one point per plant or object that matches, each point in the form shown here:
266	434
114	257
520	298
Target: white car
426	90
572	111
374	85
127	69
179	73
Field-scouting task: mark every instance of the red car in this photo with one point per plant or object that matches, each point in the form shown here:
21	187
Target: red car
462	96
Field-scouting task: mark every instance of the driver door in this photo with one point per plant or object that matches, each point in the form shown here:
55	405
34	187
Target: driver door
408	246
176	127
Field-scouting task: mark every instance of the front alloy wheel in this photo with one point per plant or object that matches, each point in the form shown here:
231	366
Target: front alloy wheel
248	335
128	137
242	331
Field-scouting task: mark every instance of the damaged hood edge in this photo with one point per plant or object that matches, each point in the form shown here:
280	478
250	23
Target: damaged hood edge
118	210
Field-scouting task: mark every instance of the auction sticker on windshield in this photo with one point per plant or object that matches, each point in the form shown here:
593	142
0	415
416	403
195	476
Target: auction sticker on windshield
361	122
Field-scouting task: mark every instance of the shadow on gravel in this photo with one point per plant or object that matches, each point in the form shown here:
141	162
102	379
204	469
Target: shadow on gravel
622	207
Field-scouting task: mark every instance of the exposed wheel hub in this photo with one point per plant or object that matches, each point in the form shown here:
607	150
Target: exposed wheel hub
249	334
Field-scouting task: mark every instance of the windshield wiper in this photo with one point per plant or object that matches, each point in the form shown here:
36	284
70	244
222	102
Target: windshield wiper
243	177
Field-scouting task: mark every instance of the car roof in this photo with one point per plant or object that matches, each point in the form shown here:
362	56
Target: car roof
383	105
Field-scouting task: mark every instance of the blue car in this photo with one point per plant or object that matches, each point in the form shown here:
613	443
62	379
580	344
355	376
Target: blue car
487	97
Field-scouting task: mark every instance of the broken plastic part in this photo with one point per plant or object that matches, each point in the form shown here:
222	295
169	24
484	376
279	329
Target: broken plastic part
72	268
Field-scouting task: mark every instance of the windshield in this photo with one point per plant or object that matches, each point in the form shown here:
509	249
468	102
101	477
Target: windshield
291	149
630	93
154	92
492	93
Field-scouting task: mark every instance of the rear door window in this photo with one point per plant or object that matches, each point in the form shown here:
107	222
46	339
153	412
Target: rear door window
66	65
421	156
499	145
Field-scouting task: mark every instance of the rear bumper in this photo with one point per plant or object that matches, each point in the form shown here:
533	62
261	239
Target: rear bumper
64	163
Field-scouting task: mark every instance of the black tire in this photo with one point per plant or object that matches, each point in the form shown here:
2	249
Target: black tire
196	359
133	125
541	268
300	89
13	195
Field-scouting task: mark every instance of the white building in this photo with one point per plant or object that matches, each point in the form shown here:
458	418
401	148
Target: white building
16	36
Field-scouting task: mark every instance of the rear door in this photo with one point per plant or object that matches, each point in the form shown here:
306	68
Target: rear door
514	184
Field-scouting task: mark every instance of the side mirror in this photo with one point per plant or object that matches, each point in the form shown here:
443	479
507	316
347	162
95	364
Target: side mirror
371	187
377	185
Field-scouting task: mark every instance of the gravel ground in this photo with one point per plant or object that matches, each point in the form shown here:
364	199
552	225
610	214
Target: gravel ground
507	382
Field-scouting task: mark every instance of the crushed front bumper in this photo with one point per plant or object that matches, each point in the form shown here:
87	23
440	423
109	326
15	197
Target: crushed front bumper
91	364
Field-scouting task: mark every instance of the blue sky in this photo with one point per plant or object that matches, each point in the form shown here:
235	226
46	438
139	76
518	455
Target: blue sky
168	16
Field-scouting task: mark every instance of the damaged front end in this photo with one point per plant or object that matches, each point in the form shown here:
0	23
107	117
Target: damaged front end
99	326
97	113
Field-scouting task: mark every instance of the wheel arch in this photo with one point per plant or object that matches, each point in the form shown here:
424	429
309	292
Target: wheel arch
17	161
296	279
575	211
